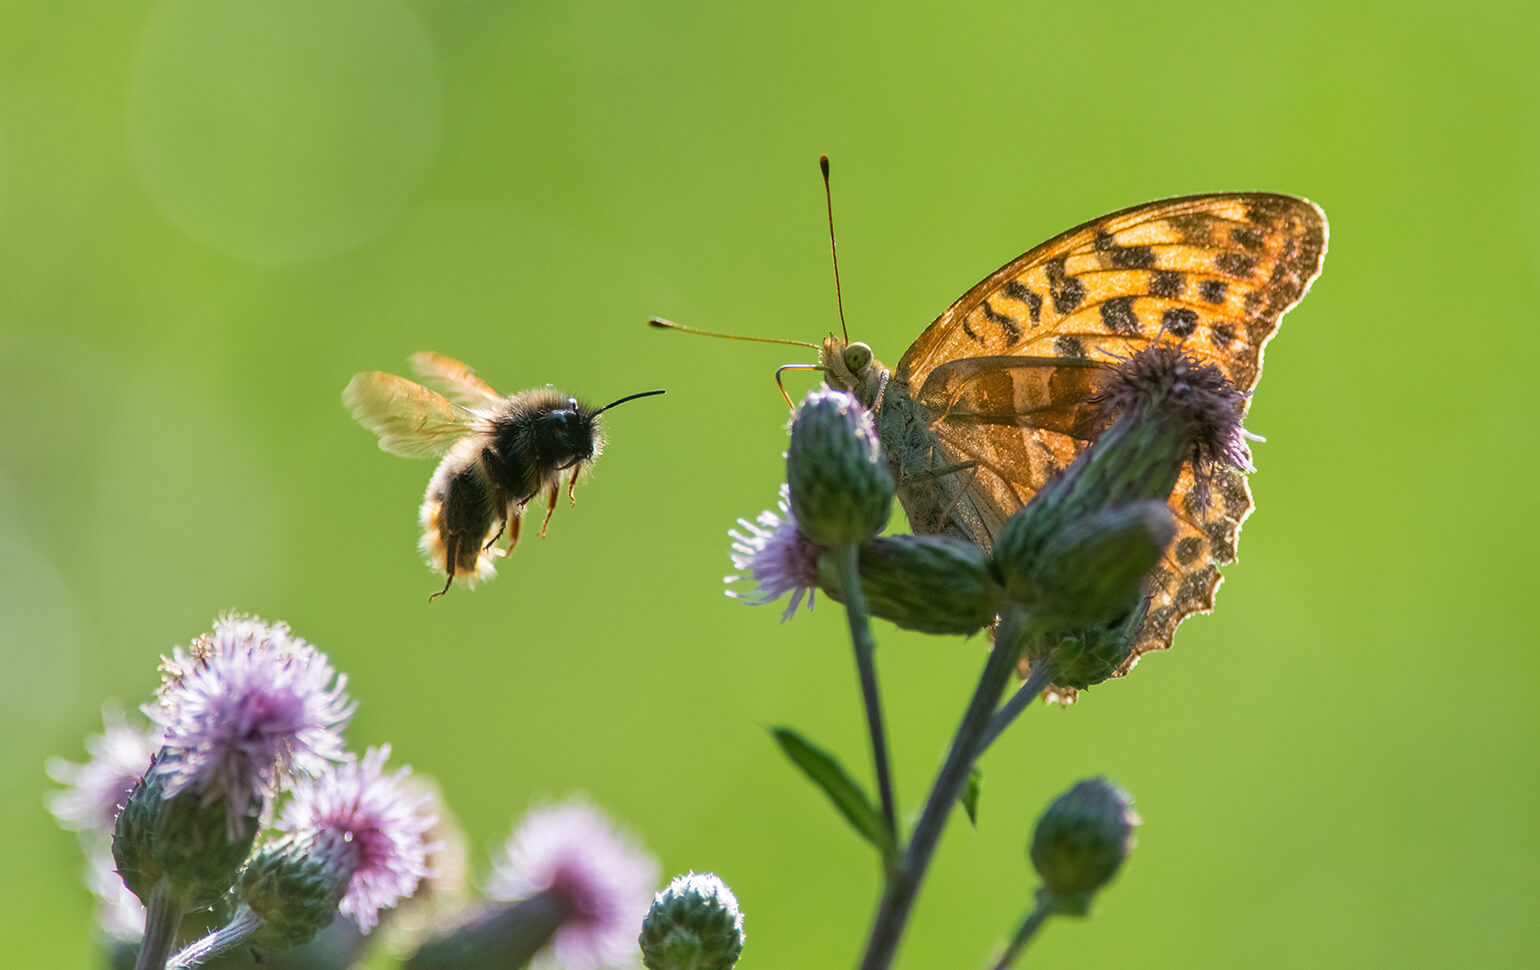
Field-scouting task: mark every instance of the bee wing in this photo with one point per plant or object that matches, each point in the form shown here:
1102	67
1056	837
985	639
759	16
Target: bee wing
454	380
411	420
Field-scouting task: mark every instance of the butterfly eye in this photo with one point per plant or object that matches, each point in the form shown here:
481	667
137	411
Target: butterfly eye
857	356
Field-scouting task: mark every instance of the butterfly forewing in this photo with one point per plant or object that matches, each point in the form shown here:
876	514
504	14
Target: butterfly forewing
1213	272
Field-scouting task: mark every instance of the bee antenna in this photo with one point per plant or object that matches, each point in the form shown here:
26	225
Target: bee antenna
828	198
628	397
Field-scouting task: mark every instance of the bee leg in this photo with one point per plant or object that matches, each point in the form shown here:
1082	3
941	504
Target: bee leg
450	544
493	541
515	518
550	505
572	484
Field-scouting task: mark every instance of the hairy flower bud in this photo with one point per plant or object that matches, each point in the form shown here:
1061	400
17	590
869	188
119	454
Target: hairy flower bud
694	924
841	488
184	839
932	584
1081	841
1087	658
294	887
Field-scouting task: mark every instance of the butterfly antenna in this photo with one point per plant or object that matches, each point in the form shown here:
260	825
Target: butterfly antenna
828	198
663	324
628	397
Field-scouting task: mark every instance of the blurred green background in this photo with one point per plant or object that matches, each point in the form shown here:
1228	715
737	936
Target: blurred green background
213	213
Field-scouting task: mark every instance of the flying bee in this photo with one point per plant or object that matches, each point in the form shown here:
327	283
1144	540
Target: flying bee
497	453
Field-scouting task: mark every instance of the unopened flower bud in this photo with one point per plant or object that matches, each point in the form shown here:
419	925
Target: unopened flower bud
1087	658
694	924
1081	842
841	488
184	839
933	584
294	887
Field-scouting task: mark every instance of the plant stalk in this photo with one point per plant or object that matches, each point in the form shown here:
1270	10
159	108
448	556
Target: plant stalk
162	918
849	559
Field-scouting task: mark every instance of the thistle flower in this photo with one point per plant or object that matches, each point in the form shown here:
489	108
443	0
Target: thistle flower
694	924
601	881
365	832
1081	841
841	487
777	556
95	790
243	707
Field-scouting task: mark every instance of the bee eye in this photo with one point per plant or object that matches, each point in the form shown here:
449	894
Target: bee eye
572	404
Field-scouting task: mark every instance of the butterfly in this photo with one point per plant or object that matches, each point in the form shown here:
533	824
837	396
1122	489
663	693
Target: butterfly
992	399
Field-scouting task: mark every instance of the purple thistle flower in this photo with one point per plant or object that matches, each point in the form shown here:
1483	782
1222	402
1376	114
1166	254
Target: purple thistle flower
602	880
373	824
777	556
95	790
244	707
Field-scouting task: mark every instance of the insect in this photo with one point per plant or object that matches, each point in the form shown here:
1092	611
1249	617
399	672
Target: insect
497	453
988	403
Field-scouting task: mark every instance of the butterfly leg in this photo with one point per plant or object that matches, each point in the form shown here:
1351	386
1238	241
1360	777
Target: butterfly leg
571	485
550	505
961	466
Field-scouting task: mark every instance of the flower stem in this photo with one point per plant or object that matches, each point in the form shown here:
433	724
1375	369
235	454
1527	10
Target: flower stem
899	896
162	919
1029	926
849	558
222	940
1037	681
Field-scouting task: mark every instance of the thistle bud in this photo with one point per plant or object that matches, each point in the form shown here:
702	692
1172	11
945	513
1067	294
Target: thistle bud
841	488
184	839
294	887
694	924
1087	658
1081	842
932	584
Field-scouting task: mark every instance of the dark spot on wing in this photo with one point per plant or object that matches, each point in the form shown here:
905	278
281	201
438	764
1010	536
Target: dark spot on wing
1008	323
1131	257
1223	333
1118	315
1179	321
1188	549
1067	291
1068	346
1235	264
971	335
1022	293
1247	236
1214	290
1166	283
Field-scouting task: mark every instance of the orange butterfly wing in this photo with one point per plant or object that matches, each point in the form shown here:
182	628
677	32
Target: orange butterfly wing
1004	370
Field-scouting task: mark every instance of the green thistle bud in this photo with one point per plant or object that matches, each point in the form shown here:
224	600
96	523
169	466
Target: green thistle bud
933	584
294	887
694	924
1085	659
1081	842
184	840
841	488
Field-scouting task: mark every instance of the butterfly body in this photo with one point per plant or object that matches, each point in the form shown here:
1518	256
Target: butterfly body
994	397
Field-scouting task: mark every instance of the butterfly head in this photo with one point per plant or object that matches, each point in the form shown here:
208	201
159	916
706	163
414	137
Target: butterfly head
850	366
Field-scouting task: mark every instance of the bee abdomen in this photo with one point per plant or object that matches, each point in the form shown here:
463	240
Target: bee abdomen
458	515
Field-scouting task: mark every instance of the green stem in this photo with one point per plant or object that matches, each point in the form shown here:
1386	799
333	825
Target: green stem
222	940
849	560
503	935
1037	681
162	918
899	896
1024	932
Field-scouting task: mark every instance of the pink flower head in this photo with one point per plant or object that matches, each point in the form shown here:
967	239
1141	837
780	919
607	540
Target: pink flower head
777	556
244	707
603	880
94	791
374	824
